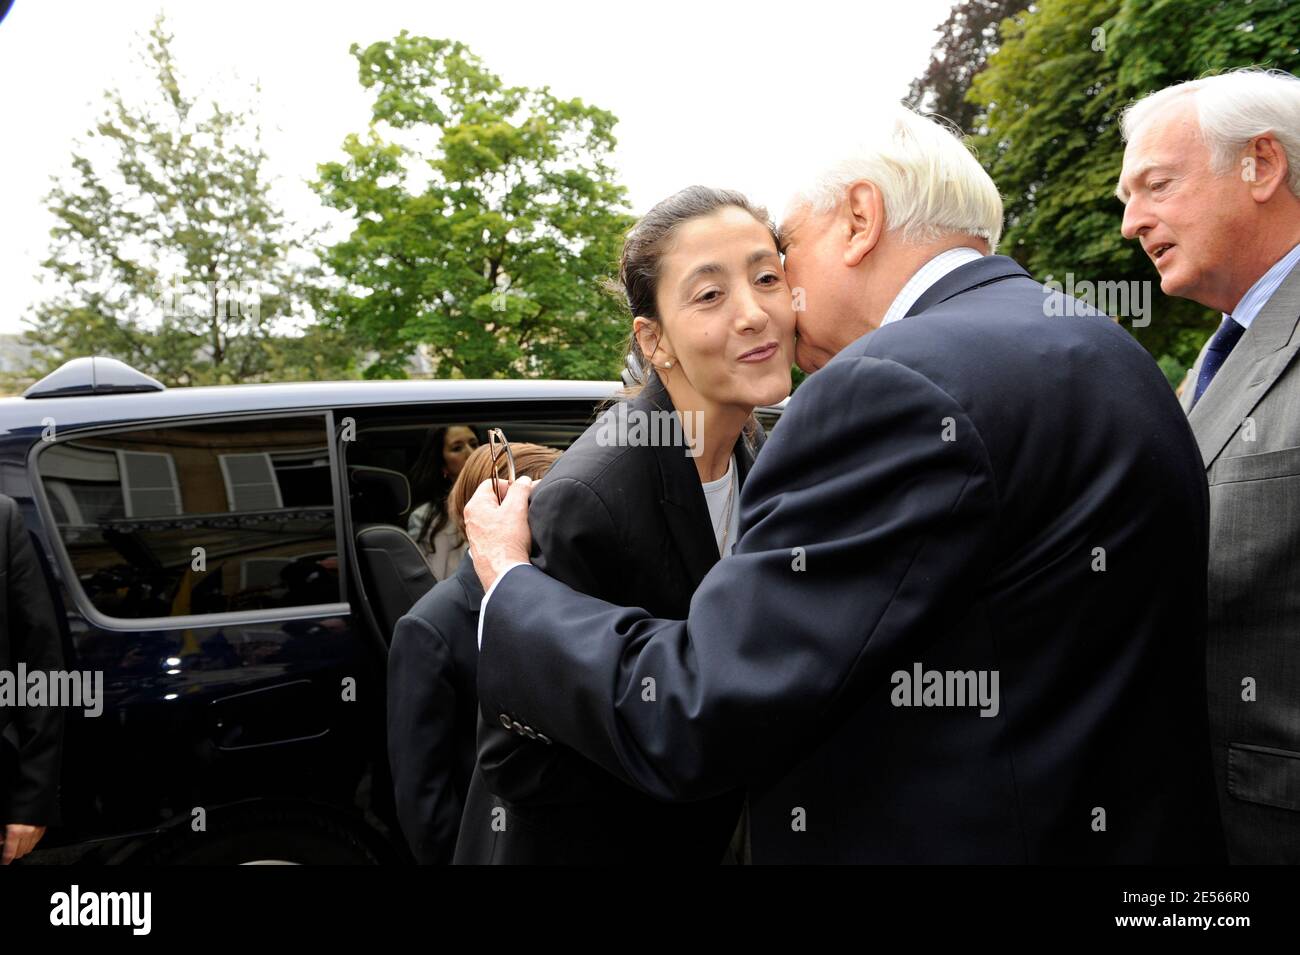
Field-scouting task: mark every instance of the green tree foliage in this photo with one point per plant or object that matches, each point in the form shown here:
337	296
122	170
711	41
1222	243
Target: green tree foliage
967	38
169	253
1181	40
1051	98
485	215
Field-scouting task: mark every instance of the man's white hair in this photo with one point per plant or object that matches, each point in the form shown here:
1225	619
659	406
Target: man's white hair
930	181
1232	109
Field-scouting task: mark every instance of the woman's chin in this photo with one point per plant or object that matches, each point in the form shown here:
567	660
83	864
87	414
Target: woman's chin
772	389
761	399
777	390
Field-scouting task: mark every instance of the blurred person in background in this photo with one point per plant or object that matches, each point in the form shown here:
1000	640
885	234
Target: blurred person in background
31	737
432	698
430	525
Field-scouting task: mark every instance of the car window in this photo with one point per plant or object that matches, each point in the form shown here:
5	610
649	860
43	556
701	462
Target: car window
197	518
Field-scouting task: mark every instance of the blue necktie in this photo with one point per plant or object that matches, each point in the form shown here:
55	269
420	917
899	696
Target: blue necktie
1221	345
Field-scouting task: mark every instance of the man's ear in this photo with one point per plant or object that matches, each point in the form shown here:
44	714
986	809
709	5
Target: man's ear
1264	167
864	213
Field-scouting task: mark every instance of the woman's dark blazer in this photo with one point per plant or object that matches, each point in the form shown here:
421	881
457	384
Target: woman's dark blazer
432	712
628	524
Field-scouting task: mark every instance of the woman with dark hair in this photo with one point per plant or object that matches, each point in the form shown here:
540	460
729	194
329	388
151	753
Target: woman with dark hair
432	697
638	510
430	525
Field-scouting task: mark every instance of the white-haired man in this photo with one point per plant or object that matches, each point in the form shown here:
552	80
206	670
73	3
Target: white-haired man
1211	186
962	622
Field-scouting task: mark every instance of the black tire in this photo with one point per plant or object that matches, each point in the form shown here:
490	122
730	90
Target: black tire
261	834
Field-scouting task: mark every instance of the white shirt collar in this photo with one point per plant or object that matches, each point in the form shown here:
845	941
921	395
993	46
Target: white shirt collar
926	276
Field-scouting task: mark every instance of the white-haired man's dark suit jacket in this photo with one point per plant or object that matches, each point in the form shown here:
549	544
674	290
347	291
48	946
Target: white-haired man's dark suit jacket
1247	424
984	487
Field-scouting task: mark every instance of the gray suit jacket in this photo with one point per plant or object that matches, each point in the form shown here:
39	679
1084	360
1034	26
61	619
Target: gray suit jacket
1248	427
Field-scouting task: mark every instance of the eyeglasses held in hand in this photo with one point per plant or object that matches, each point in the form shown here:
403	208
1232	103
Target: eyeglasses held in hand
499	449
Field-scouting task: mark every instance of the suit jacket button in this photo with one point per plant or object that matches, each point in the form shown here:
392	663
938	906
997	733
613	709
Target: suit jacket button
530	732
517	727
505	721
544	738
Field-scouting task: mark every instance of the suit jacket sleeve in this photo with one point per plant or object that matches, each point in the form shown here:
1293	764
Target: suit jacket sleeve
869	512
421	739
34	639
575	542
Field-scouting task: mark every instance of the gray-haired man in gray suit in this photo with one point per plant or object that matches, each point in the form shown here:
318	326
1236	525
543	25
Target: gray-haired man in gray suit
1211	187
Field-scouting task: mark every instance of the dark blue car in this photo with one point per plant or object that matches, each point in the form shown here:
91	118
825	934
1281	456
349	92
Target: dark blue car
201	547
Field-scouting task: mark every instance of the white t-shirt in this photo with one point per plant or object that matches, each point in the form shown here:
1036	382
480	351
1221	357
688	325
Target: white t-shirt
716	494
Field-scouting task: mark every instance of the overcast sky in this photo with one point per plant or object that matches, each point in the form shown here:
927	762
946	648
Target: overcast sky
721	93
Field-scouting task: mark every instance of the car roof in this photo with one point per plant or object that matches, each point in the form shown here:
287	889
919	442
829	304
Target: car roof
81	410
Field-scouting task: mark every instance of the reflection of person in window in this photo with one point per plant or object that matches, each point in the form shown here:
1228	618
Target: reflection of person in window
310	581
441	460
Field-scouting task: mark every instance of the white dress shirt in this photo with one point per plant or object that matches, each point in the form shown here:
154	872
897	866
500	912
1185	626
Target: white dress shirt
1253	302
926	276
